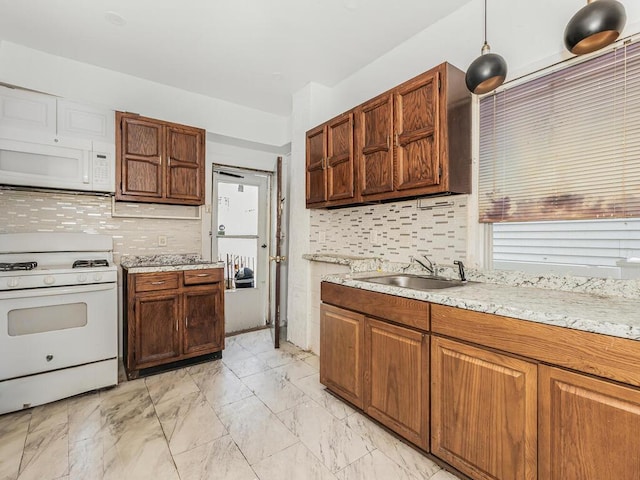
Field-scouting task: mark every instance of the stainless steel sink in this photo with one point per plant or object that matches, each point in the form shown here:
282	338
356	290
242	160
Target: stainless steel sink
415	282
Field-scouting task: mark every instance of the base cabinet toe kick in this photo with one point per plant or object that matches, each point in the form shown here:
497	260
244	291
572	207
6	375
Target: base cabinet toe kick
495	398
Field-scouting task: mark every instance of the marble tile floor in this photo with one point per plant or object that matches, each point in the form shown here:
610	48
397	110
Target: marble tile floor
257	414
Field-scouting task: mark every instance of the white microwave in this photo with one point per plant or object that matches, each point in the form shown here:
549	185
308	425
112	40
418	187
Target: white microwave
68	164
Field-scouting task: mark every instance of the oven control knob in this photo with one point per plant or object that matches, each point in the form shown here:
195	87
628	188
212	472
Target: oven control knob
49	280
97	277
13	282
49	358
82	278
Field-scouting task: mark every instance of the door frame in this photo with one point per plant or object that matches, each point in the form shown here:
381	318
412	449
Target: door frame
262	260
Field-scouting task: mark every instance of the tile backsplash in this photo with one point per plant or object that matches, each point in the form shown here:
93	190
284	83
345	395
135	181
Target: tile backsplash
394	231
34	211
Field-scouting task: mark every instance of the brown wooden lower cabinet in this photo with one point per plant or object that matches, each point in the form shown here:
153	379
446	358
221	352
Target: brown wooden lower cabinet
589	428
341	350
380	367
483	418
156	325
397	379
498	409
172	316
203	316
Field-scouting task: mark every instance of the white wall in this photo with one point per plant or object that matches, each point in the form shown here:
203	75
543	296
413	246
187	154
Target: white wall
528	34
28	68
309	108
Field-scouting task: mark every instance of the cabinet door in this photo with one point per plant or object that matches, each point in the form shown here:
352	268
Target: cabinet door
140	171
316	162
397	379
30	111
375	153
417	133
156	336
78	120
340	178
185	165
203	319
588	428
341	350
483	412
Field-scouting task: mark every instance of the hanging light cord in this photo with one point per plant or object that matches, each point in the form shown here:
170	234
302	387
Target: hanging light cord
485	45
485	21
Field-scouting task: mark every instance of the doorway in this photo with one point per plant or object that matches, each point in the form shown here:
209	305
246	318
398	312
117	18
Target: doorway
240	227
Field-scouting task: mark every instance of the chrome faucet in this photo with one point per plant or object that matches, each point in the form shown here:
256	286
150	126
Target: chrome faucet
429	266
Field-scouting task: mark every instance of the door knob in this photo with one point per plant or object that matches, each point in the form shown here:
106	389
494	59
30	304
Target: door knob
264	245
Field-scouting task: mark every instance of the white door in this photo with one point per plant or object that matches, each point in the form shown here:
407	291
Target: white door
241	230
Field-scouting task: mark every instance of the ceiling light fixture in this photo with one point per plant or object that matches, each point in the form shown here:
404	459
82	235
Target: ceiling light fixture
115	18
488	71
594	26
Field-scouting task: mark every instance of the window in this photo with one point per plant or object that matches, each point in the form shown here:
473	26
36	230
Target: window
560	169
592	248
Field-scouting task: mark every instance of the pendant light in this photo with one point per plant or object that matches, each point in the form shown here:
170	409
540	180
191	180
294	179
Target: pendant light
594	26
488	71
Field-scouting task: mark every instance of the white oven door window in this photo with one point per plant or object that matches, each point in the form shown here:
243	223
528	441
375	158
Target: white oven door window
51	328
30	320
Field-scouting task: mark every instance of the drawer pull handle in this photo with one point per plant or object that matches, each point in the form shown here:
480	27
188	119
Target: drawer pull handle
203	275
157	283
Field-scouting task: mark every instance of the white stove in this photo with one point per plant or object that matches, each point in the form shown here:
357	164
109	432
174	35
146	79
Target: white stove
58	317
55	275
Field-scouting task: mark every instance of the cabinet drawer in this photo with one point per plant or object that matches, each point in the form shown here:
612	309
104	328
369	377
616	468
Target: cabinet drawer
405	311
156	281
593	353
196	277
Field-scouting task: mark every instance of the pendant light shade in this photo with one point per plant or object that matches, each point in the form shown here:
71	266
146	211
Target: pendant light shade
595	26
488	71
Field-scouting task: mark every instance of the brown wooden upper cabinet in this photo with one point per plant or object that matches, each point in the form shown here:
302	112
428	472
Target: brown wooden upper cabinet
375	137
414	140
159	162
330	169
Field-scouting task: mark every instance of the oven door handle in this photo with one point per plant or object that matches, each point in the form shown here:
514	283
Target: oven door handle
50	291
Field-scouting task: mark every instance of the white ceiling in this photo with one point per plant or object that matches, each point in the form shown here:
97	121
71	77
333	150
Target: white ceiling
250	52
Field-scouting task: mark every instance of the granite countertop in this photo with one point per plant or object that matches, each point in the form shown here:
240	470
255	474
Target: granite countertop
616	316
167	263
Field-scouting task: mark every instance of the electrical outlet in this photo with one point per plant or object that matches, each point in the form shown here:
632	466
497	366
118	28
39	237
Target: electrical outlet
162	240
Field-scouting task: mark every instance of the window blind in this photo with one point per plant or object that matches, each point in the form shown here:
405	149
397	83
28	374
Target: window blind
564	146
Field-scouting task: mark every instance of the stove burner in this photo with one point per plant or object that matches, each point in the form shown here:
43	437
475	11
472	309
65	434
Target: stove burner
90	263
9	267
